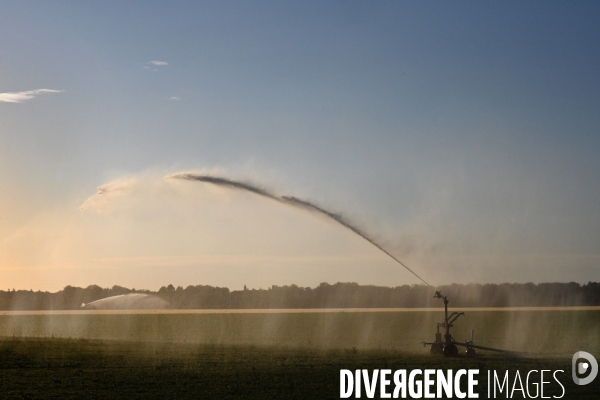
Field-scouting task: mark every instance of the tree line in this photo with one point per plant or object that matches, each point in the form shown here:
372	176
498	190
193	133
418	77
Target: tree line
339	295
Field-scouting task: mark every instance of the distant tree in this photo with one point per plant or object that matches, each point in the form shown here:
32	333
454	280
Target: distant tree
349	294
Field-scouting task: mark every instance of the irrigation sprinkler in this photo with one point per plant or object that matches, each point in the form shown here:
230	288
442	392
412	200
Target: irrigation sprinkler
448	346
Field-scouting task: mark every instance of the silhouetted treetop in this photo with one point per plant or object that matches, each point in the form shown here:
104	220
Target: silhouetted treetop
338	295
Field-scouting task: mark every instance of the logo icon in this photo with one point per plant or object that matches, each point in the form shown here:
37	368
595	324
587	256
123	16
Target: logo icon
583	367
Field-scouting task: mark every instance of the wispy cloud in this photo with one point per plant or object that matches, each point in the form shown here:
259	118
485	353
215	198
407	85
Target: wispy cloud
174	98
159	63
19	97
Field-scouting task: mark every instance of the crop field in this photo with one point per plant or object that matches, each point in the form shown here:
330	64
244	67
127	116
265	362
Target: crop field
539	331
94	369
269	355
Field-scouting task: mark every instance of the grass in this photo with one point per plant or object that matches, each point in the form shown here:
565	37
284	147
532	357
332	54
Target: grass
36	368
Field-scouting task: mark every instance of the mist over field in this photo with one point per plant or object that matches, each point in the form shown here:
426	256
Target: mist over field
534	332
525	318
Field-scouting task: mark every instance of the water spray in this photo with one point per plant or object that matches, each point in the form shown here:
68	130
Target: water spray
290	200
339	219
446	346
227	183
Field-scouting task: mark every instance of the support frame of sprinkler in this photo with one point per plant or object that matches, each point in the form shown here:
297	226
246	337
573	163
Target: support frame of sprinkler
448	346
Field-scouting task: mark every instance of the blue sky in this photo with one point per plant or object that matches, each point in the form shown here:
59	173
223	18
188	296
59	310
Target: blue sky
463	135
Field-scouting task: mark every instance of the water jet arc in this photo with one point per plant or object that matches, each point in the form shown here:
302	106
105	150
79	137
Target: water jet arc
341	221
293	201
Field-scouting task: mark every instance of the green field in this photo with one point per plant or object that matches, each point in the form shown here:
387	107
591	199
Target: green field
268	355
93	369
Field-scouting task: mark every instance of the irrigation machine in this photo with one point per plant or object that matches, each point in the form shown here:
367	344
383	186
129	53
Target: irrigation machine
448	346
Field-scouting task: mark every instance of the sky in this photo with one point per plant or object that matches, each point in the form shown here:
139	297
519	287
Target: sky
462	136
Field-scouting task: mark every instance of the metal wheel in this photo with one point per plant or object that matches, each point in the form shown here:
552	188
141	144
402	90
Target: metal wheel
450	350
470	351
436	349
